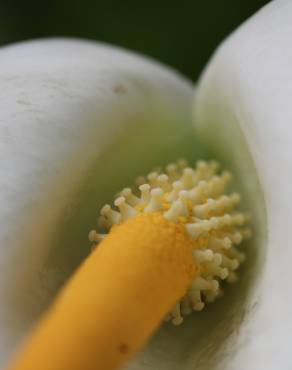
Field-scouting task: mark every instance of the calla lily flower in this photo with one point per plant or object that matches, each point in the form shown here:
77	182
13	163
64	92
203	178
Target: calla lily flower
79	120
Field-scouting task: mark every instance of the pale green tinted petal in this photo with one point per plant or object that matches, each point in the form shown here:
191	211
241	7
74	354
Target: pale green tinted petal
78	121
244	112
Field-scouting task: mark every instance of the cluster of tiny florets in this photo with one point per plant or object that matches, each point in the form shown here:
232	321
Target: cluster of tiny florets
195	198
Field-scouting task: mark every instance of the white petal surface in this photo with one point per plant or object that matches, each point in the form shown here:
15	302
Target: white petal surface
244	110
78	121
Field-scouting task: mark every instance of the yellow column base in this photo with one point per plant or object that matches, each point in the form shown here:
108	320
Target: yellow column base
115	300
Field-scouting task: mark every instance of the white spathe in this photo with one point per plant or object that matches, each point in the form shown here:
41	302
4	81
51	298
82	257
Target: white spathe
78	121
246	91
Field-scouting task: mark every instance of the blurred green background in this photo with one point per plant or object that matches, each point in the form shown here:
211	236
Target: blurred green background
180	33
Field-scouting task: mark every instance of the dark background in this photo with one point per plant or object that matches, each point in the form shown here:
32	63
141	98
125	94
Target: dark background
181	33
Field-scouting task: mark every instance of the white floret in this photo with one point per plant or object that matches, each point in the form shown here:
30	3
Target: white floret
197	199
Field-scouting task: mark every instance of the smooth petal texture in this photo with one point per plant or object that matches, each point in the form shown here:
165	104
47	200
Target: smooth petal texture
244	111
78	121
